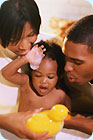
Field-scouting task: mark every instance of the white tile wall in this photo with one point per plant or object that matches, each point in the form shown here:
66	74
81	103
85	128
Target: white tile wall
69	9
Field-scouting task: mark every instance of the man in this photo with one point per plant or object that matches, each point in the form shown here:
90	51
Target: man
78	50
19	27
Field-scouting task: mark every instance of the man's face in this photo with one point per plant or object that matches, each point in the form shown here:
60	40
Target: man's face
79	62
24	45
45	77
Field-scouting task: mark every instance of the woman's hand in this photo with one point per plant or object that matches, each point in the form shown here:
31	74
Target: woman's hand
16	123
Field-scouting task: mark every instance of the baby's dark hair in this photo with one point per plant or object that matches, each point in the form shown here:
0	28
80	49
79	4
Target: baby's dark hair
13	16
54	52
82	32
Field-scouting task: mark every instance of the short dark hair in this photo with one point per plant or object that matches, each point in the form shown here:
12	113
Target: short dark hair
13	16
82	32
53	51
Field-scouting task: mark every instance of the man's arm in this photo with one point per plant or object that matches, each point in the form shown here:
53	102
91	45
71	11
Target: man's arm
16	124
78	123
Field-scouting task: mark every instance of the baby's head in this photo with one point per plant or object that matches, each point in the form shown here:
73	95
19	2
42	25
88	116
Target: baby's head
50	70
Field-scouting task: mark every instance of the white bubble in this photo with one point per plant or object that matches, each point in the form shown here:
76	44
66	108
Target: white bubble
1	137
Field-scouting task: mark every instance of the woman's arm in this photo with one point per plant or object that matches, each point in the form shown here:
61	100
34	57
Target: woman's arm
16	124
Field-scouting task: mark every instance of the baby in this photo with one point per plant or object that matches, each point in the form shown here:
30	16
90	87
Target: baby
39	87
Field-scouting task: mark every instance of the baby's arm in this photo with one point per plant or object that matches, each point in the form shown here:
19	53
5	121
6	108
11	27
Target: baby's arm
64	98
10	72
67	102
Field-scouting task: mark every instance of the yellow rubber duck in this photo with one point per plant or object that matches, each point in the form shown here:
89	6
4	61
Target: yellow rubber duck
49	120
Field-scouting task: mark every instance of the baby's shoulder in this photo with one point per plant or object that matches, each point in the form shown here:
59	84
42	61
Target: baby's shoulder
60	92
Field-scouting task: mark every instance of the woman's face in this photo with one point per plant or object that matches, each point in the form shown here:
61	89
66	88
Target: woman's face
27	39
45	77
